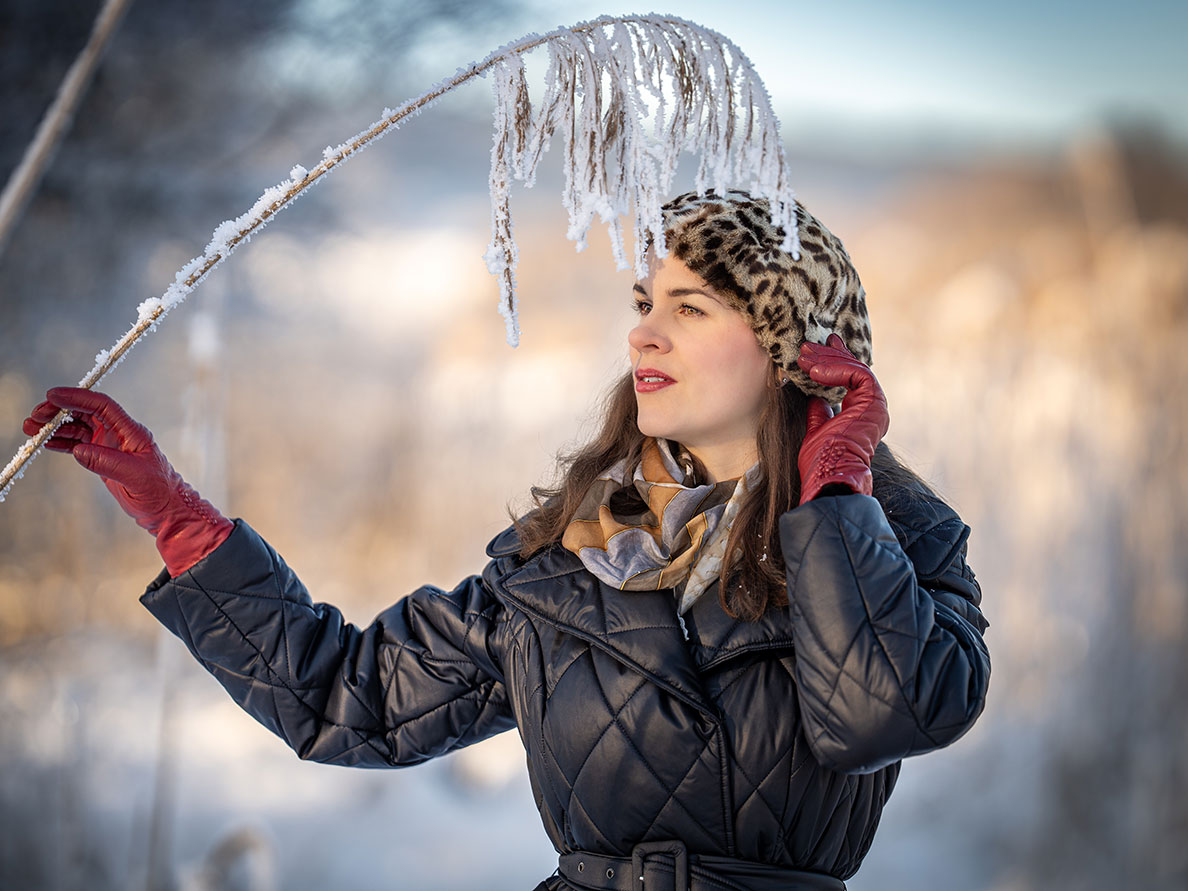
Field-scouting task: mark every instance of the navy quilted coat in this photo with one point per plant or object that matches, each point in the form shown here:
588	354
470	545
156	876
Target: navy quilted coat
776	741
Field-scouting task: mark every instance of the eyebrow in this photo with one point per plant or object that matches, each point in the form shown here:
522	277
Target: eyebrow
680	292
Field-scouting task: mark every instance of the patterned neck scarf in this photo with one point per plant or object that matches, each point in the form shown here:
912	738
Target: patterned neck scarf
642	528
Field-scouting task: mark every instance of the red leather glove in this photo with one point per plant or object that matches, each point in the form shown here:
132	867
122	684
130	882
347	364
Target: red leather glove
838	450
105	440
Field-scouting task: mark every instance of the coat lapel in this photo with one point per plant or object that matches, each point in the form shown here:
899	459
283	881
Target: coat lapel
638	628
715	637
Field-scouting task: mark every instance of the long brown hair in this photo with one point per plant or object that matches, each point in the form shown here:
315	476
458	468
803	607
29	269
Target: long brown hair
757	579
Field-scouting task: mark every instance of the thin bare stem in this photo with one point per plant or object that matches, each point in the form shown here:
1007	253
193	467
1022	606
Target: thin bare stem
24	179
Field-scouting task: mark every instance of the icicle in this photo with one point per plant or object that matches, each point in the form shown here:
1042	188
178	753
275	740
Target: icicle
501	255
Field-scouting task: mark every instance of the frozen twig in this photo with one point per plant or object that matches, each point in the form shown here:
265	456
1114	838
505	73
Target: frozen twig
605	78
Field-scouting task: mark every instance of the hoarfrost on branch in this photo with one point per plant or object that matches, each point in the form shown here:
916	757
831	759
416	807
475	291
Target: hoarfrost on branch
605	78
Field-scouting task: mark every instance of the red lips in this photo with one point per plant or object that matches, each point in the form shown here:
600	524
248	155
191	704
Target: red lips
648	380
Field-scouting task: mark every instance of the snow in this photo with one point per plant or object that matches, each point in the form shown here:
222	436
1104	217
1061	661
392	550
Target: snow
15	469
605	78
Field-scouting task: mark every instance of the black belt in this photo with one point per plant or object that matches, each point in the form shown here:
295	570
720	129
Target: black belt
667	866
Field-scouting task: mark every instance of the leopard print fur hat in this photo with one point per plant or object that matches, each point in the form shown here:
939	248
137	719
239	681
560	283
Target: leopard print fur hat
731	243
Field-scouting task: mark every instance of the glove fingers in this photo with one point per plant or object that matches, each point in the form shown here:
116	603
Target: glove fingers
31	426
42	413
111	464
848	373
833	346
107	412
80	399
818	413
38	418
834	340
831	363
76	431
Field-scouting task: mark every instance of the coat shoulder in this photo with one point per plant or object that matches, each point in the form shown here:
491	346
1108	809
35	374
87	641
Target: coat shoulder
935	539
930	531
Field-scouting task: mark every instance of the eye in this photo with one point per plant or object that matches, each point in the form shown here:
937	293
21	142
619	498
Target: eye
690	310
641	306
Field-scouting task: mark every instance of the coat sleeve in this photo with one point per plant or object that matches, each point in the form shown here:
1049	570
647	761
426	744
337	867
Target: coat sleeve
424	678
890	659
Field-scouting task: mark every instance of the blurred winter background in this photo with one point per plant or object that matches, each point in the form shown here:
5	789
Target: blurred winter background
1011	180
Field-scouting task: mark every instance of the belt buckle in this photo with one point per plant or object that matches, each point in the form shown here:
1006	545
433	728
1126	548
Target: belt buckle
674	849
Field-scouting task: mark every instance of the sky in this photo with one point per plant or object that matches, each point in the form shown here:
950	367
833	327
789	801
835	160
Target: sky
1011	72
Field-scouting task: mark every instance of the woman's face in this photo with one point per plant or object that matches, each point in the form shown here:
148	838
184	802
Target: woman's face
701	377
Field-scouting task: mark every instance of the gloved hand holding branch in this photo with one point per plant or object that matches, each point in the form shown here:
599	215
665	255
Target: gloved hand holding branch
105	440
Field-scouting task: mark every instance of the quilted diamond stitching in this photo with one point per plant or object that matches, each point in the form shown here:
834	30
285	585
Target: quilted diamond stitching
605	730
284	617
841	668
670	793
270	669
367	736
886	657
756	787
674	800
577	657
591	823
286	604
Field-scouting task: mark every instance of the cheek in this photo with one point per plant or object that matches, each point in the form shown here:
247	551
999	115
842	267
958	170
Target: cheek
745	366
752	391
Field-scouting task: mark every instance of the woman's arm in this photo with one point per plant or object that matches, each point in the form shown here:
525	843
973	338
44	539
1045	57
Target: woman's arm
421	680
890	660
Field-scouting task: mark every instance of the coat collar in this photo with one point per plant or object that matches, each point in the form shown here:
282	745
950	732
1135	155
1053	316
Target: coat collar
639	628
716	637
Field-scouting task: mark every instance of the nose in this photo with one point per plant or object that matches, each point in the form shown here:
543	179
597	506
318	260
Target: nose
648	336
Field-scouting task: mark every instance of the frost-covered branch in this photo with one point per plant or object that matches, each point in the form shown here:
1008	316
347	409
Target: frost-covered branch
605	79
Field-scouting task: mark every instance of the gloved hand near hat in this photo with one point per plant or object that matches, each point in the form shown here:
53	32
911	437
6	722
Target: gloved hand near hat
105	440
837	450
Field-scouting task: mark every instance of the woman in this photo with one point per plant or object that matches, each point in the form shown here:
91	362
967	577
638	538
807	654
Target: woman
716	645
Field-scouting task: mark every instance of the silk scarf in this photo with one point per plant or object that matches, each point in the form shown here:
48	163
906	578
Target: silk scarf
642	528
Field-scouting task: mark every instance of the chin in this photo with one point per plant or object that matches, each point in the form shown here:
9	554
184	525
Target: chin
648	431
650	427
